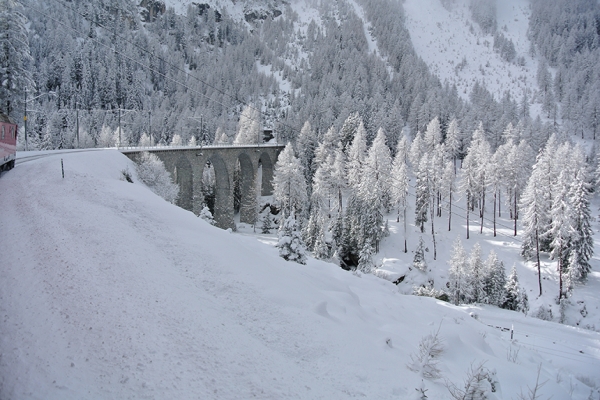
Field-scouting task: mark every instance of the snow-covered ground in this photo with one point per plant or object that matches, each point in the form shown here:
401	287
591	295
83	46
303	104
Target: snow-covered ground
108	291
443	34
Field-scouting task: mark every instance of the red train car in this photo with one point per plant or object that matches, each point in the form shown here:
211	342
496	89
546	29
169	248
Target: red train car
8	143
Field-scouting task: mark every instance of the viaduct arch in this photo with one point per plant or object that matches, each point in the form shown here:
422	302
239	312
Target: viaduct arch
187	165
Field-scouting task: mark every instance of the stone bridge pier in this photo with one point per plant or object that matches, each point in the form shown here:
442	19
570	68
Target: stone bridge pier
187	165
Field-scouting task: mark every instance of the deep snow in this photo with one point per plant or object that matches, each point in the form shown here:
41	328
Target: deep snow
107	291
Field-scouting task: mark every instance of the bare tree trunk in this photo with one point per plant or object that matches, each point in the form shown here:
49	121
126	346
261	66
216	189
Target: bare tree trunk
500	203
560	277
468	199
516	215
433	230
481	212
537	252
405	246
450	213
495	193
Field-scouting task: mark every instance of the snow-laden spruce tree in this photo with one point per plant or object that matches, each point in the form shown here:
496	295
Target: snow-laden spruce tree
458	285
453	143
475	276
289	186
306	144
494	281
399	184
151	170
515	297
291	247
582	242
249	126
422	192
365	259
378	164
144	140
356	157
535	208
267	223
419	258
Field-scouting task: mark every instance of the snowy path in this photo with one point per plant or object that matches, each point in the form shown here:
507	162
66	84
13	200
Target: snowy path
107	291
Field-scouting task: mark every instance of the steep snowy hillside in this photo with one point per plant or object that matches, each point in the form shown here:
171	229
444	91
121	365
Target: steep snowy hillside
115	293
457	50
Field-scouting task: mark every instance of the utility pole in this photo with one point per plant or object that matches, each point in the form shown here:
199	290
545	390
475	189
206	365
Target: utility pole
150	127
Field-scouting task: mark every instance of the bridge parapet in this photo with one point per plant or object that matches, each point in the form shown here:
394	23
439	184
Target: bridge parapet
187	164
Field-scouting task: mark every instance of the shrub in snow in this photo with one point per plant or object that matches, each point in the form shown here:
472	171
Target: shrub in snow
206	215
544	312
290	243
429	291
427	359
153	173
477	386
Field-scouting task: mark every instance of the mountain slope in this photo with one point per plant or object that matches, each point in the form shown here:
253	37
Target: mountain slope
116	293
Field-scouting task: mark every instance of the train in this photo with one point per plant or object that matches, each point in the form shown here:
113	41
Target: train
8	143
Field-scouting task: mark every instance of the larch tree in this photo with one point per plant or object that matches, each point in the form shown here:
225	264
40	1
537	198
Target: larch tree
399	188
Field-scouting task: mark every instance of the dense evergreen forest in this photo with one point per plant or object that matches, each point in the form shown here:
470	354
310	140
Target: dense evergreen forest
191	74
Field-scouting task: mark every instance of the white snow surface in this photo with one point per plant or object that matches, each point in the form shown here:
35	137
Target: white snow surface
108	291
441	35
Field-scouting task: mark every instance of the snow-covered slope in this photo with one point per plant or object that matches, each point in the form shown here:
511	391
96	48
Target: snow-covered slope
444	35
107	291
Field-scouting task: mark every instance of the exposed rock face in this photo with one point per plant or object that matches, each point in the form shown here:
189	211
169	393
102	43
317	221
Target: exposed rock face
152	9
203	8
261	10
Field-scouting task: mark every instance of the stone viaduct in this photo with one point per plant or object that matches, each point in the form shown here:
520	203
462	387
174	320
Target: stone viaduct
186	165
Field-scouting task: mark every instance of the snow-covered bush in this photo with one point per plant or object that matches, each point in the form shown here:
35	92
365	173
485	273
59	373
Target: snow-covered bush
419	259
206	215
426	360
151	170
429	291
477	386
544	312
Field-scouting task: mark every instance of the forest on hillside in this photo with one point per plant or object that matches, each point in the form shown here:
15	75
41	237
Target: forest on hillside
88	65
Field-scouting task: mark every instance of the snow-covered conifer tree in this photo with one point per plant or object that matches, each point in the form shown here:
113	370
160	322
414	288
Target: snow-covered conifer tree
305	146
417	148
475	276
494	280
458	288
249	126
422	193
221	136
514	296
453	142
535	210
365	260
433	135
289	186
356	157
151	170
379	164
419	258
176	140
290	243
582	244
